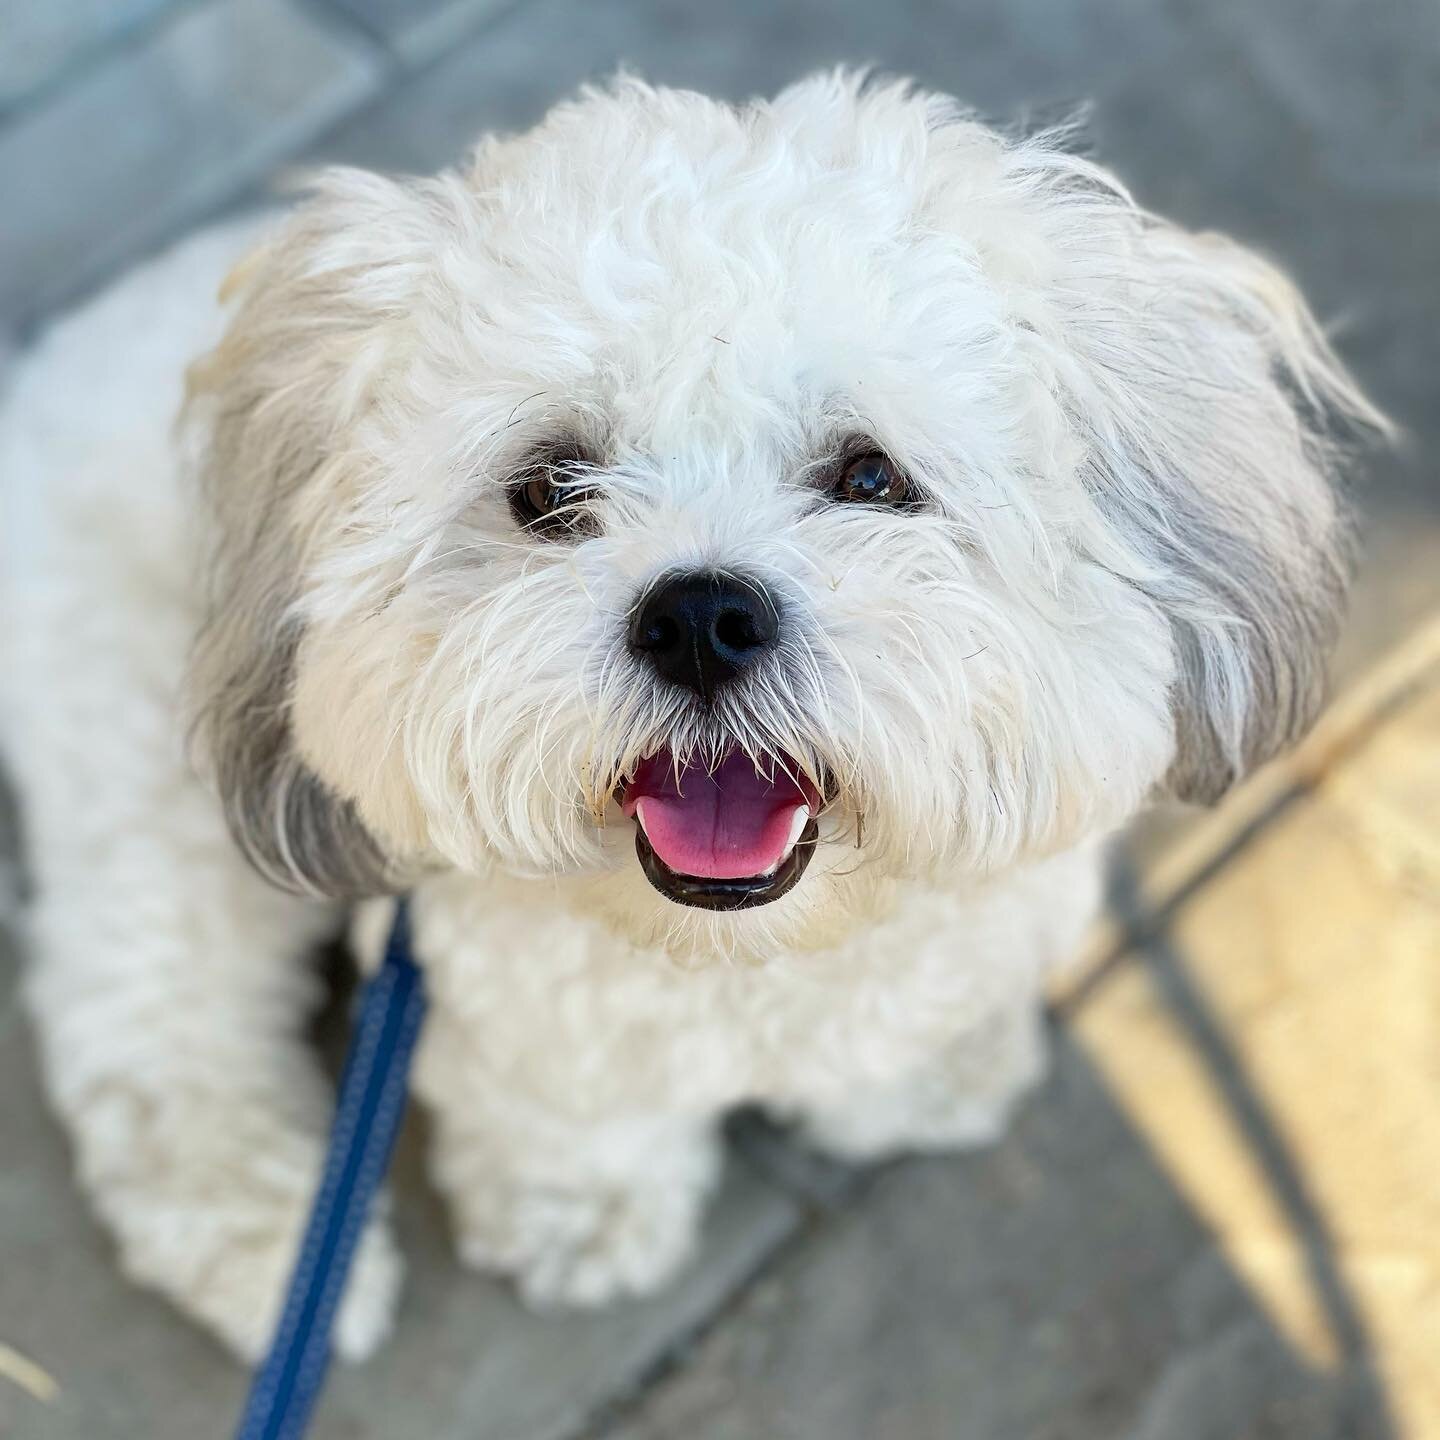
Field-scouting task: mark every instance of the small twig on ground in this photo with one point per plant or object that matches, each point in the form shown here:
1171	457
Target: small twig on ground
25	1373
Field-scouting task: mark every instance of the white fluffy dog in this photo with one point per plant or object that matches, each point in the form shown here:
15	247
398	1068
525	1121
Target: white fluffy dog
732	565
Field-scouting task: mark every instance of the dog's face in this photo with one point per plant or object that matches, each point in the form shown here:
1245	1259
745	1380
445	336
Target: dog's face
760	502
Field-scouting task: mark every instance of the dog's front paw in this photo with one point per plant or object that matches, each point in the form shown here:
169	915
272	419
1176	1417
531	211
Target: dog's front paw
963	1098
225	1257
579	1247
869	1131
372	1292
245	1289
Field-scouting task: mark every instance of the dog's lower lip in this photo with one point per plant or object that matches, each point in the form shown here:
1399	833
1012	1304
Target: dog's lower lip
705	893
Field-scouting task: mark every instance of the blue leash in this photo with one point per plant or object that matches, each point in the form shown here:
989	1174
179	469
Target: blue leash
367	1120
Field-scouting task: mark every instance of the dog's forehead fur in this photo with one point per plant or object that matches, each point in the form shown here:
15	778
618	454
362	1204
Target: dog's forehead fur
715	275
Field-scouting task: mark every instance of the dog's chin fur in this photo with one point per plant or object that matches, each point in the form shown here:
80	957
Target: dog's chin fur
1117	577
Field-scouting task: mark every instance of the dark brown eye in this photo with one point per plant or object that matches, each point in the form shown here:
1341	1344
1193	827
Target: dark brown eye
552	499
871	479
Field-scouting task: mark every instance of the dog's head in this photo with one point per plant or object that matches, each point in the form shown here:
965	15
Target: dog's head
705	492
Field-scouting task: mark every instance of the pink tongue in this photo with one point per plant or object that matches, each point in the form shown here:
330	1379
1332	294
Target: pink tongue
723	826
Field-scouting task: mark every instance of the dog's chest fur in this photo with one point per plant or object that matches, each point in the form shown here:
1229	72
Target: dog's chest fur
534	992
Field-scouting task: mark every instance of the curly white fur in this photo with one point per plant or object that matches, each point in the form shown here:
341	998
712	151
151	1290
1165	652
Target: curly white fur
1122	581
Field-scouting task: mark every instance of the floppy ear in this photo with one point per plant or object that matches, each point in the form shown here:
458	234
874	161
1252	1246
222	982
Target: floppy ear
271	411
1213	414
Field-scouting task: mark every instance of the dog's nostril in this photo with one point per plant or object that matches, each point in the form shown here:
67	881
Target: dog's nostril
735	630
701	629
661	633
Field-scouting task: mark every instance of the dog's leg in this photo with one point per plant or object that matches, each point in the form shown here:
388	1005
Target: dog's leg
170	993
961	1098
577	1211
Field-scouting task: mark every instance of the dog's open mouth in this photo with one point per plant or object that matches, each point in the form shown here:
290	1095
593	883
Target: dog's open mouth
724	838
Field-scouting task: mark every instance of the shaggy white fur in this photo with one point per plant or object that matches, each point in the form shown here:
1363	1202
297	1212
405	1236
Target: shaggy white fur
1116	574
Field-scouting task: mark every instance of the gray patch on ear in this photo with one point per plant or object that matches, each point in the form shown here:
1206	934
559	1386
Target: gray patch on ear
290	825
1283	629
265	410
1217	422
1254	601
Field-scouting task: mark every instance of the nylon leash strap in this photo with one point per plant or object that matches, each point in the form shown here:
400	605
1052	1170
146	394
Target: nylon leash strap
367	1120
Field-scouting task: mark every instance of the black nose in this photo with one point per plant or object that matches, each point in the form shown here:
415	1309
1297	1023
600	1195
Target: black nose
701	628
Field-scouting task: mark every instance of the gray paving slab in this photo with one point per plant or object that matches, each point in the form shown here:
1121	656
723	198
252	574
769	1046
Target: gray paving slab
820	1182
141	145
466	1357
418	30
1054	1288
998	55
1368	91
42	40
